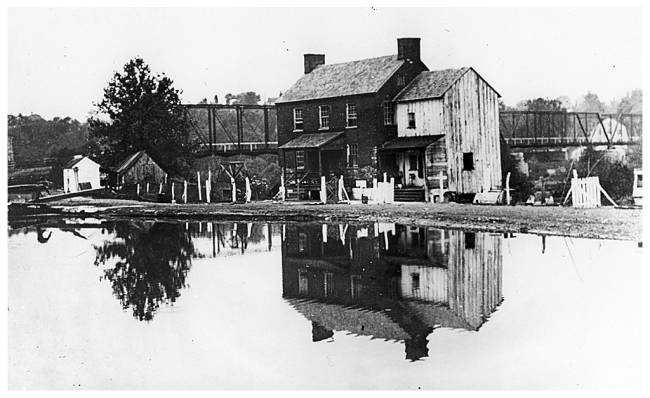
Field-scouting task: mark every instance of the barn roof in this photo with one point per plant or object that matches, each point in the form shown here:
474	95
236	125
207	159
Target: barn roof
432	84
349	78
129	161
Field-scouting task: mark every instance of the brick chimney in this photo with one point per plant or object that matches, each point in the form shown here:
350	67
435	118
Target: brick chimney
408	48
312	61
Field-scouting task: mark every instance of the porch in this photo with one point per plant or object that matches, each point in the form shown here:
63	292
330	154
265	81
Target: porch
405	158
308	157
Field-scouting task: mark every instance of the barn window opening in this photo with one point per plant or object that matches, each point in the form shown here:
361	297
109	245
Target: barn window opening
389	114
470	240
639	182
351	115
411	120
324	116
415	281
468	161
297	119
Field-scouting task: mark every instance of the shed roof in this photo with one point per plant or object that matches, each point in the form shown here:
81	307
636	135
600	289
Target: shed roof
433	84
411	142
312	140
349	78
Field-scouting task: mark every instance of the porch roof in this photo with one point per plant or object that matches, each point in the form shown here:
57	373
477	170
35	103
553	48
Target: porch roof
311	140
411	142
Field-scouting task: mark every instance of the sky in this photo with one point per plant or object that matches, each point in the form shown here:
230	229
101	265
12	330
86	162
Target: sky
60	59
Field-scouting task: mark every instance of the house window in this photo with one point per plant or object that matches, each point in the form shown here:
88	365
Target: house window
351	115
401	80
389	114
353	155
300	160
411	116
468	161
324	116
297	119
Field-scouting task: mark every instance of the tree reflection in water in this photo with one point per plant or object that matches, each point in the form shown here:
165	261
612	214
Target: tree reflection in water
153	262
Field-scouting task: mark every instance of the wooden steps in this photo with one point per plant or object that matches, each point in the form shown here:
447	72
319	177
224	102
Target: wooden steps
409	194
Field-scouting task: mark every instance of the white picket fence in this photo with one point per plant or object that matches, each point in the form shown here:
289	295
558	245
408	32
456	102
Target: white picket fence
585	192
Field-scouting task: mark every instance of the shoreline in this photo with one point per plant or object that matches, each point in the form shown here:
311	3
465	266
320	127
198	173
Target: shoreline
600	223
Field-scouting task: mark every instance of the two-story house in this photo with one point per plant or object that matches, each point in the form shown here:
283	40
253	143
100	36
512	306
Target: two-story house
447	133
332	121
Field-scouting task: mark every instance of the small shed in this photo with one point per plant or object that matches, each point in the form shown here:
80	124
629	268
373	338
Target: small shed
80	173
137	168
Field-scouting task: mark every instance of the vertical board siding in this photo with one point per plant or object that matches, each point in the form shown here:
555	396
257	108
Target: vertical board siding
428	118
470	117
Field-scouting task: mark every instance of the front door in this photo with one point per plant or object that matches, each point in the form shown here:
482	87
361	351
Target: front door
413	168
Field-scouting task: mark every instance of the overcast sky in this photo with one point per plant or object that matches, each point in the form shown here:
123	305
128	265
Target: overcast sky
60	59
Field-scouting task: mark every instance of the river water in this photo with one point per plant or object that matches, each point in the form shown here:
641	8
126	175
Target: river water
174	305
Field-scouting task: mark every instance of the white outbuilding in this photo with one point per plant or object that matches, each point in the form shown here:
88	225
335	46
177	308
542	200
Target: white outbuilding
80	173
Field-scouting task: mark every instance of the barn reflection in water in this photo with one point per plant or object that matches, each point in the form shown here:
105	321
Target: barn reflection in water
391	281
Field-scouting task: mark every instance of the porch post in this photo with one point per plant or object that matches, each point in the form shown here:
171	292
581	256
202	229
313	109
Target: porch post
320	162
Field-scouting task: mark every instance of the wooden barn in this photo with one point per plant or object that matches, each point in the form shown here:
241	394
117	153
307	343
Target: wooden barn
447	133
138	168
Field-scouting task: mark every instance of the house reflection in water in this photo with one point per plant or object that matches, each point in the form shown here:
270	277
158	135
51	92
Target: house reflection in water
390	281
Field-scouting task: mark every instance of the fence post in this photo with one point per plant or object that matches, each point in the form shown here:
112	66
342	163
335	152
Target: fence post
375	191
249	194
391	190
283	190
323	191
234	190
173	200
198	182
160	189
185	191
339	191
208	188
508	189
147	191
137	190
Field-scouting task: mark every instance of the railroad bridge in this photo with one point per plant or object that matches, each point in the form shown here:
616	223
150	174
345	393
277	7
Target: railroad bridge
229	130
544	129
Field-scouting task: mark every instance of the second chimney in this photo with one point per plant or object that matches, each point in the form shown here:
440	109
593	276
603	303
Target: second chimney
408	48
312	61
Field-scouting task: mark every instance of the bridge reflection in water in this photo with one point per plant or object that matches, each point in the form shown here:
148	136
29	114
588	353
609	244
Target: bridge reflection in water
391	282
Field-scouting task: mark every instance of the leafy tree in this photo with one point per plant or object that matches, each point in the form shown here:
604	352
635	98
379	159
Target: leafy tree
144	112
591	103
151	264
542	104
631	103
247	98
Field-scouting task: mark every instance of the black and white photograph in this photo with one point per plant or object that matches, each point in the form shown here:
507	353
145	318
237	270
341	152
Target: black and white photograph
359	196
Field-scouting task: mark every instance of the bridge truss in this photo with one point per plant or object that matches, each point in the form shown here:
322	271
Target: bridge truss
228	130
525	129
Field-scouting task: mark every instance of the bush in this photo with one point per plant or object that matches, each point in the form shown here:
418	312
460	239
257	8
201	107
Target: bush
616	177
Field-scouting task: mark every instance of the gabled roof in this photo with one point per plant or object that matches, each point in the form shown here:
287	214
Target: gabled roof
129	161
311	140
72	162
433	84
349	78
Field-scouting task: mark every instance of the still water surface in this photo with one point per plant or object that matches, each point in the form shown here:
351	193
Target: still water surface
152	305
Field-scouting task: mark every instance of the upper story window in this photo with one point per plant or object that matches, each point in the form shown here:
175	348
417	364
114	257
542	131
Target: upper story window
297	119
401	80
411	116
351	115
324	116
389	114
